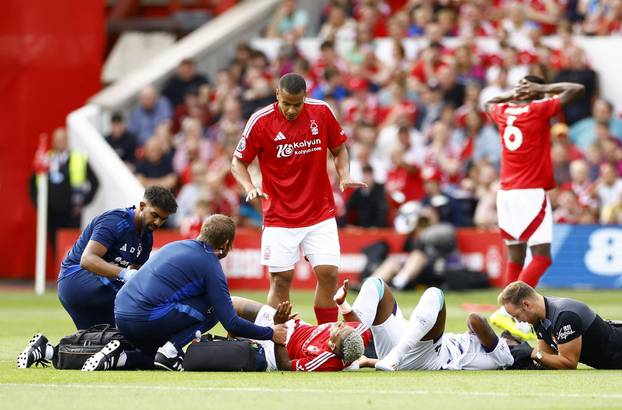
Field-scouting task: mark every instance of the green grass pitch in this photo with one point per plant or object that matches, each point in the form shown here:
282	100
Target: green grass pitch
22	314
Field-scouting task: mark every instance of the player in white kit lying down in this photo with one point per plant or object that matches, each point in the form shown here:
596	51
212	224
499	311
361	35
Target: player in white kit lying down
421	342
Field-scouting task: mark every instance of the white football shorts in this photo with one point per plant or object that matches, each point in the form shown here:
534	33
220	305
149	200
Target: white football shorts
463	351
525	215
451	351
265	317
280	247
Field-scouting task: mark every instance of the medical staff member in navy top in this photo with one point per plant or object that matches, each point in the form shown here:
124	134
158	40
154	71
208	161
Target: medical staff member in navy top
180	291
107	254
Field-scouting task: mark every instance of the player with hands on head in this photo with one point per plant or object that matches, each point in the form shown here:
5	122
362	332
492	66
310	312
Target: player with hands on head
291	139
523	117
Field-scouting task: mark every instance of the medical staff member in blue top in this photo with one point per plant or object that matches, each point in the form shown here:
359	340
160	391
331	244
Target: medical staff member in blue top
107	254
182	289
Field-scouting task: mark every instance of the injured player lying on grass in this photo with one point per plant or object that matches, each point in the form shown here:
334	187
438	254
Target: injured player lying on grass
331	346
421	342
418	344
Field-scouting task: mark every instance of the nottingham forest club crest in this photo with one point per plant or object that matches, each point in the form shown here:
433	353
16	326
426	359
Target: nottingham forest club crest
314	128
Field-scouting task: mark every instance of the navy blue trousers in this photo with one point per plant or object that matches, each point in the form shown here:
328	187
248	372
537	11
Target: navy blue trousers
178	326
88	298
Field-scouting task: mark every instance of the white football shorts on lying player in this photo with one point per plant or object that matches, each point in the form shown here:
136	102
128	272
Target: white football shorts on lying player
265	317
462	351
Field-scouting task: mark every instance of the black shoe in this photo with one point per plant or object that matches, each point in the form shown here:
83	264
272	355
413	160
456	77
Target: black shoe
174	364
34	353
105	359
510	338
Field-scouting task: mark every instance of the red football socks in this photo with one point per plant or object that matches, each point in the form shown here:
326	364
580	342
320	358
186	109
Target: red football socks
536	268
326	315
512	272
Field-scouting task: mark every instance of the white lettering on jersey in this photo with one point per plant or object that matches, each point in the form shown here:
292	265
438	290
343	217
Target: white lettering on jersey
132	249
564	332
517	110
298	148
512	136
284	151
140	249
120	262
124	247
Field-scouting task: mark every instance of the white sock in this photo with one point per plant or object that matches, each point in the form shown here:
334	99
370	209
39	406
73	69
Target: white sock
169	350
122	360
49	352
366	303
421	321
400	280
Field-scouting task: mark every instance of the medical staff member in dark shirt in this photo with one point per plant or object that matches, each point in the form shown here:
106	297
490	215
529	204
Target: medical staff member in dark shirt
180	291
568	331
107	254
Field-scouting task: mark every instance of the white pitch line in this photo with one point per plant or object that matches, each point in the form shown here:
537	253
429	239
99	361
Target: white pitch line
309	391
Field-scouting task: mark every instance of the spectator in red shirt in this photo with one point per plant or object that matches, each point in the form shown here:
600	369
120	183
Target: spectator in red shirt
370	16
427	67
581	184
568	210
191	108
442	154
404	181
400	107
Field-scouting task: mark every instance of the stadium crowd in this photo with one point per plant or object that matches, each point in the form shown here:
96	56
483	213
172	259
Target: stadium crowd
416	127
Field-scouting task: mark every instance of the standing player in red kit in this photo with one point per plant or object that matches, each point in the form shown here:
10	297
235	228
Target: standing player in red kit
524	210
291	138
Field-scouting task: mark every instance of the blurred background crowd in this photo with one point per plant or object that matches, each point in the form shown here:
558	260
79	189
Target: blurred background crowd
416	127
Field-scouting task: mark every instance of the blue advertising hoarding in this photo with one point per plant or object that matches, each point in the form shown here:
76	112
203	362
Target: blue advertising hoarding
585	256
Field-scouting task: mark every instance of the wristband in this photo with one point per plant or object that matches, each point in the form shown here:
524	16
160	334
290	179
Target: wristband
345	308
126	274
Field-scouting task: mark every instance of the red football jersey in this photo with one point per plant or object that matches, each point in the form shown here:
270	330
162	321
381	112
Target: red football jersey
308	347
525	137
292	159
